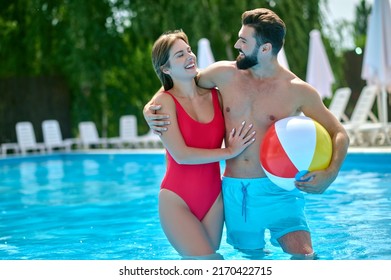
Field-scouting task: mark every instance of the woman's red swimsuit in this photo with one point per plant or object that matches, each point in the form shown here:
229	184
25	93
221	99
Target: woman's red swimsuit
197	184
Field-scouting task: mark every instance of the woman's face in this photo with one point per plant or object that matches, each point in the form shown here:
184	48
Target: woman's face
182	61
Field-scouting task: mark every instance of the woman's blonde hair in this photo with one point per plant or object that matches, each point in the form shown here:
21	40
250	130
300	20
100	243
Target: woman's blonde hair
161	52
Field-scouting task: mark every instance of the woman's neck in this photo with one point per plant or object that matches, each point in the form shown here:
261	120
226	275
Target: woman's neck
187	89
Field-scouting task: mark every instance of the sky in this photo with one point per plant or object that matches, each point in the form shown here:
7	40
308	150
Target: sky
339	10
344	9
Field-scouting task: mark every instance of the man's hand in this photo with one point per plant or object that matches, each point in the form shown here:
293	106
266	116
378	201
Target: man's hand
157	122
315	182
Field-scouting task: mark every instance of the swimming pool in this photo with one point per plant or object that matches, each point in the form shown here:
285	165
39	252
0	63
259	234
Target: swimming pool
103	206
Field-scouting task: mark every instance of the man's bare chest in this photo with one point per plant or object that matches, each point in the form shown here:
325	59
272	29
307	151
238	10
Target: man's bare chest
262	108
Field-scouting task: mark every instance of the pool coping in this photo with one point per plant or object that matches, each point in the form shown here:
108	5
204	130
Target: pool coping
370	150
351	150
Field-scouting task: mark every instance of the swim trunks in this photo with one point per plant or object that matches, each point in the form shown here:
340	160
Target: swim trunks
253	205
197	184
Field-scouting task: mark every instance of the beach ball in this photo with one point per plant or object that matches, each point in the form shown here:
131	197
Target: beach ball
292	147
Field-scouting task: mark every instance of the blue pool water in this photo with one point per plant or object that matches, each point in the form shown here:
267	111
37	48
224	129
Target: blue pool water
104	207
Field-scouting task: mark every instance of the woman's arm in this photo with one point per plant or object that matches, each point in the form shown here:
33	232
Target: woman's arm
173	140
157	122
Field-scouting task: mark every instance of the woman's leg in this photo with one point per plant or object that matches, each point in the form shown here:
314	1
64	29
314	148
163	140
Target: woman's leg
184	231
213	222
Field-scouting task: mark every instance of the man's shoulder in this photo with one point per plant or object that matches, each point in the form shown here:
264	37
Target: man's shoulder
230	63
298	85
224	65
217	74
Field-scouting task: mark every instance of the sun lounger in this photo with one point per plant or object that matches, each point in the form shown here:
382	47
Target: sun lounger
363	127
52	137
26	138
127	133
9	146
89	136
150	140
339	102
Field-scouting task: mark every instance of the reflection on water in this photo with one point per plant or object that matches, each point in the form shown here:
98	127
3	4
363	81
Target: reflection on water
353	216
105	207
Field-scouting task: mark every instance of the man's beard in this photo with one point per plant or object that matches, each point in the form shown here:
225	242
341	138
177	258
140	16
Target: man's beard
247	61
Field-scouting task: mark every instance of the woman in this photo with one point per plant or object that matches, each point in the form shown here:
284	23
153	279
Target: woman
190	202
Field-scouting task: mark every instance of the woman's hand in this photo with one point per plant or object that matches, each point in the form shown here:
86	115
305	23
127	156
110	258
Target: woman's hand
240	139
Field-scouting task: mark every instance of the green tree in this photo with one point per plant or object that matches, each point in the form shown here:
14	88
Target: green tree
363	10
102	47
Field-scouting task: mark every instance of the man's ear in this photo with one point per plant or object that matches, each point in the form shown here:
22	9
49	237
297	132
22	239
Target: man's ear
266	47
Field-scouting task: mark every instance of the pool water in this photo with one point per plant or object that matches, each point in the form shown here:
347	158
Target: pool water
101	206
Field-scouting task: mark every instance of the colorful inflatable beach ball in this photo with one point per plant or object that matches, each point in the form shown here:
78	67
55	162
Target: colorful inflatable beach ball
292	147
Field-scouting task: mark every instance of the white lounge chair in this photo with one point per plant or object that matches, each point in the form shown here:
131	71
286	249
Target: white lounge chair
339	102
128	135
26	138
363	127
89	136
9	146
150	140
52	137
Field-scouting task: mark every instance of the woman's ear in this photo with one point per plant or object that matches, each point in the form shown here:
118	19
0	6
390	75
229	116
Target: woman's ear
165	70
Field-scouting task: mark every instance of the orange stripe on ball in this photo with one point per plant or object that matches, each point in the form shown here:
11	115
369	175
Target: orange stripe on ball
274	158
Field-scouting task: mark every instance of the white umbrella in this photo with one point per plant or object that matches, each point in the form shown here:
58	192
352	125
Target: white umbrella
376	67
204	54
281	57
319	73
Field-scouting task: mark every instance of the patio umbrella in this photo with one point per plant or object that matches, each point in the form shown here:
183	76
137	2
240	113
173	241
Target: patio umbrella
319	73
204	54
376	68
281	57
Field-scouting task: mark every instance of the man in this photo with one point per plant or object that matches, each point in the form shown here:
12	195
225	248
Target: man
257	89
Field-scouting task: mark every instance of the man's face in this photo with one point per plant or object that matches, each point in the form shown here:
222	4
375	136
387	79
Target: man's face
247	47
247	61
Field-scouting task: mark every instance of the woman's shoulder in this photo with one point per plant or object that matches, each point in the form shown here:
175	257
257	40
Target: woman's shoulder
165	99
163	96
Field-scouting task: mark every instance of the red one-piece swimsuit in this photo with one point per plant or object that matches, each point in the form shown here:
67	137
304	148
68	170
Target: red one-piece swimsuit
197	184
